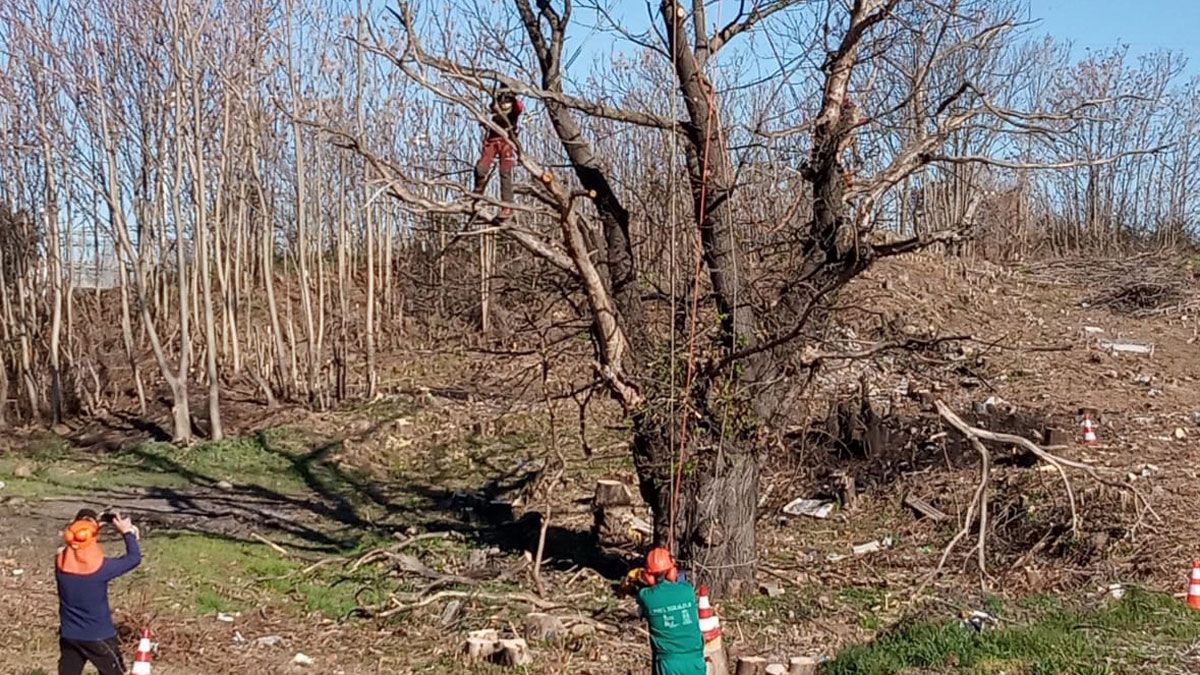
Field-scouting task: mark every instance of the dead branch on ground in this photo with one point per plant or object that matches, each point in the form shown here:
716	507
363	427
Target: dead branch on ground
977	511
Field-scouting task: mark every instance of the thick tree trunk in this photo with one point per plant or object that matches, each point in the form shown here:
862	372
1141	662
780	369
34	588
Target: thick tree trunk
705	508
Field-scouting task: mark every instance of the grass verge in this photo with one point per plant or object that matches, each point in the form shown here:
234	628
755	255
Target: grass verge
1142	632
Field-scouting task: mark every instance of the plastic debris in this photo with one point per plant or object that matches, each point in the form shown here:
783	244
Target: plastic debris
268	641
302	659
814	508
222	616
978	620
873	546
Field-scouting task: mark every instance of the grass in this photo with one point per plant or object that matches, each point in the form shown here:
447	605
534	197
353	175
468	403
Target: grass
208	574
277	460
1046	637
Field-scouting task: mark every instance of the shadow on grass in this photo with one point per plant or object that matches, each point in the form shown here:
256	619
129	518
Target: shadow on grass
305	499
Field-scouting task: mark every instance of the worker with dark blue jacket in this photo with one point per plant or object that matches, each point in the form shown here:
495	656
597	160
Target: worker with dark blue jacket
86	631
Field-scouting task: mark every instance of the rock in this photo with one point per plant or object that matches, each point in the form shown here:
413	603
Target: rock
302	659
1180	434
224	485
3	485
771	589
540	627
451	612
23	471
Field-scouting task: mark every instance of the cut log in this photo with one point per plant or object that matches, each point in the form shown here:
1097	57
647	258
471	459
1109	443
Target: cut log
925	508
803	665
751	665
611	493
513	653
541	627
777	669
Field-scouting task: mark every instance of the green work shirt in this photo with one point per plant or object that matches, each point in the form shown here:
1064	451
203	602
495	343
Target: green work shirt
675	640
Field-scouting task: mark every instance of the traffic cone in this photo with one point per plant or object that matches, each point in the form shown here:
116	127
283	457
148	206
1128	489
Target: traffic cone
1089	430
1193	596
141	662
710	624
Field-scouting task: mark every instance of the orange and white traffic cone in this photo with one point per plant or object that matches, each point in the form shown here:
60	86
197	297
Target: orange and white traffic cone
1089	431
141	662
710	624
716	661
1193	596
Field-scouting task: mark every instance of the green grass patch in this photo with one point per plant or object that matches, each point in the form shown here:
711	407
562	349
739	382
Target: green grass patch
279	460
1039	636
208	574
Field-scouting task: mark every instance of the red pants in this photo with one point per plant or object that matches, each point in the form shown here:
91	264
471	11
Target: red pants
493	148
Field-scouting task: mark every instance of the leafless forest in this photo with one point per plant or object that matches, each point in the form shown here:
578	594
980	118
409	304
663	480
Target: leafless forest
274	197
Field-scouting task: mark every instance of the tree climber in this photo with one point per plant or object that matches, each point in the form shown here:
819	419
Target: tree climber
506	109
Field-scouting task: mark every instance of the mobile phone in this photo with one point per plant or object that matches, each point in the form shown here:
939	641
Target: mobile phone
107	517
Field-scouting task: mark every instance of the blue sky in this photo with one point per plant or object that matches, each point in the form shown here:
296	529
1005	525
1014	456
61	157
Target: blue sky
1145	25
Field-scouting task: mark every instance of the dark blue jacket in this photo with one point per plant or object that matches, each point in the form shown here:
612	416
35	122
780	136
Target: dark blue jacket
83	598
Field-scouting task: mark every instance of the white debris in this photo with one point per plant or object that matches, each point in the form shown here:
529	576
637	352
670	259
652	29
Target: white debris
1127	346
873	546
302	659
1117	591
268	641
1180	434
222	616
815	508
18	572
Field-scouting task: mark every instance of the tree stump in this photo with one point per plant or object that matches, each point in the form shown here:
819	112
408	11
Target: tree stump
615	520
715	660
803	665
751	665
777	669
540	627
482	644
512	653
611	493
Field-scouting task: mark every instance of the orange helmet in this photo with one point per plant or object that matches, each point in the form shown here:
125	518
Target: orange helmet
659	564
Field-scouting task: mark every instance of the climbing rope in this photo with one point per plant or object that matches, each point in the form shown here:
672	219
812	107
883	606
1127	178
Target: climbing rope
693	323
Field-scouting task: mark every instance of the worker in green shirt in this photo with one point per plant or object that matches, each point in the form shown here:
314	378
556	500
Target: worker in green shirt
668	603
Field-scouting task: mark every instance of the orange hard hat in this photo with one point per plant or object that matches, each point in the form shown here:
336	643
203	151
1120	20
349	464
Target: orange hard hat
659	562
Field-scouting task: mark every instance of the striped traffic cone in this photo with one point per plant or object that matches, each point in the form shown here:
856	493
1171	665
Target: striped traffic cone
1193	596
715	660
710	624
1089	430
141	662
